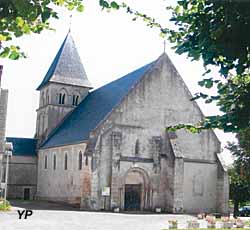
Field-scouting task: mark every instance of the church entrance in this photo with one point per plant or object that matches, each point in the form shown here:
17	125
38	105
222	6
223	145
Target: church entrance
132	197
136	190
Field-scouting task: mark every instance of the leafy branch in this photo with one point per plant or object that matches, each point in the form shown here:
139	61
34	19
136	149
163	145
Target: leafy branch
23	17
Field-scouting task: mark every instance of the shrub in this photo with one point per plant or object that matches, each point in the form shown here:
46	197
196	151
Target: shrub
4	205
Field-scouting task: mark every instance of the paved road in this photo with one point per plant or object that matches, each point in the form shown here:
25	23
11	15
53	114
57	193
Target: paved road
72	219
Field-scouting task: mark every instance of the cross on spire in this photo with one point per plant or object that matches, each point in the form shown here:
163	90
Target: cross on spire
164	46
70	22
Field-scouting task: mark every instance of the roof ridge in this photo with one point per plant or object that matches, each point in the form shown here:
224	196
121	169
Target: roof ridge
28	138
122	77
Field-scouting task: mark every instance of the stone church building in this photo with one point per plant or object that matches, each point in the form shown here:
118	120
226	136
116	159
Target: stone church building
109	148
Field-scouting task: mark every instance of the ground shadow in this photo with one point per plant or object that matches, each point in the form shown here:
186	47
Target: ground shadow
42	205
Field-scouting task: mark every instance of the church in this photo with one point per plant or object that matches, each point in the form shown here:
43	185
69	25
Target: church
108	148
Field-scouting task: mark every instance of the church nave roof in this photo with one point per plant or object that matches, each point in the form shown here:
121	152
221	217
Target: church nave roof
93	109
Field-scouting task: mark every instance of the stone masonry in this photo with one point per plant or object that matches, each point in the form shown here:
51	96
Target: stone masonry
3	114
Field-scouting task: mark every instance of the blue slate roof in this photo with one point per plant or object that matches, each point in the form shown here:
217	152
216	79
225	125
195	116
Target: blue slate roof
93	109
52	68
23	146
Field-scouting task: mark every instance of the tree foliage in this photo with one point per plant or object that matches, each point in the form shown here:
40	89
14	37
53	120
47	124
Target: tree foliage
22	17
232	98
240	173
218	33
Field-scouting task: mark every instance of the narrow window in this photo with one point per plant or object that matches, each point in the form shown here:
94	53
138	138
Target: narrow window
86	161
46	162
65	162
54	162
80	161
42	99
63	99
77	99
60	99
137	147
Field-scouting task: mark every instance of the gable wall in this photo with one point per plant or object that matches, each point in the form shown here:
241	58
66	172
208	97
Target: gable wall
159	100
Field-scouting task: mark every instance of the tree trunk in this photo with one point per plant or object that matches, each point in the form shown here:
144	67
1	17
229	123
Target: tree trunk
236	208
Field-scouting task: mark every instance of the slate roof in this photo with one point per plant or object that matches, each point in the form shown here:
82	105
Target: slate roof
66	67
93	109
52	67
23	146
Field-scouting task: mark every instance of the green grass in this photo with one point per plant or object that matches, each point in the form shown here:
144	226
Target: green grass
5	206
247	223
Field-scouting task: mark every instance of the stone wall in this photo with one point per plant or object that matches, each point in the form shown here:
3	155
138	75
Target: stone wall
22	175
200	181
118	155
158	100
222	190
50	112
3	115
60	184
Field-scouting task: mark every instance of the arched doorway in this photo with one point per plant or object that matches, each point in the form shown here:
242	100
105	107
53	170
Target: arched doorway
136	190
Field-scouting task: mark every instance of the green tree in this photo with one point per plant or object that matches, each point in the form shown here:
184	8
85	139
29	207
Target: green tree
239	189
240	173
22	17
218	33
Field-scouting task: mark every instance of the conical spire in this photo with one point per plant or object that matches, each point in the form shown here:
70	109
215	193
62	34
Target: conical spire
66	67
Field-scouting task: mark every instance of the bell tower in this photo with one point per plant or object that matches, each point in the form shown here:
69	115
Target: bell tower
64	86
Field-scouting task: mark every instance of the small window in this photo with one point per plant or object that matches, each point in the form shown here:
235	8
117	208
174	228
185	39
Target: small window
42	99
66	162
86	161
61	99
75	100
54	162
137	147
46	162
80	161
